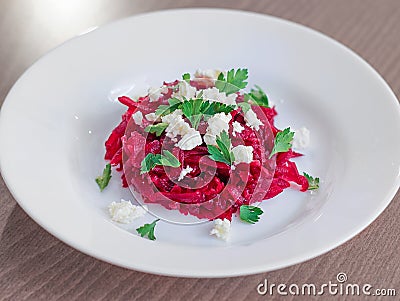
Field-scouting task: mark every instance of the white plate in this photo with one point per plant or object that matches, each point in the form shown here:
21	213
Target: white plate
55	120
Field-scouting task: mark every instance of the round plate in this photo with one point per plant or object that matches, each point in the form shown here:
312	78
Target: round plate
57	116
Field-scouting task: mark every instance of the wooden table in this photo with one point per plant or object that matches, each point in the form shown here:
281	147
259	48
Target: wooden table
36	266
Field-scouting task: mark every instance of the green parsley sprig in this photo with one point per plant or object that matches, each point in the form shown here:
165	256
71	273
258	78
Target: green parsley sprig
211	108
250	214
103	180
283	142
156	128
234	81
257	96
151	160
173	104
148	230
223	152
313	183
196	109
192	109
245	106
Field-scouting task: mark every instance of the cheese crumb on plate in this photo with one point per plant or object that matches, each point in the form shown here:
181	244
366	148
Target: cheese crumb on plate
221	228
301	138
124	212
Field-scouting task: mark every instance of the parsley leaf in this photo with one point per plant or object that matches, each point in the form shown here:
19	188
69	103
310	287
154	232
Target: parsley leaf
148	230
313	183
104	179
174	101
245	106
234	81
224	144
250	214
151	160
156	128
217	107
283	142
186	77
173	105
258	96
216	155
223	153
162	110
238	78
168	159
192	109
196	109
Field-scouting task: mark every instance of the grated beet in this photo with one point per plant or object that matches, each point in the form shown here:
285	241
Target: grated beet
220	197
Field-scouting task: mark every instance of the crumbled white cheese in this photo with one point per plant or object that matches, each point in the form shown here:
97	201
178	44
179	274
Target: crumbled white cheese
124	212
176	124
209	73
190	140
301	138
184	90
138	117
221	228
213	95
184	172
209	139
210	93
236	128
243	154
152	117
216	124
155	93
252	120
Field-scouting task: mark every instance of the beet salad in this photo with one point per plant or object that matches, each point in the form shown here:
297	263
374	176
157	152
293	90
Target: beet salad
204	147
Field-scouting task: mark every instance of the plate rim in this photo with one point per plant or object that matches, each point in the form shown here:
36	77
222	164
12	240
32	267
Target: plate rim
212	273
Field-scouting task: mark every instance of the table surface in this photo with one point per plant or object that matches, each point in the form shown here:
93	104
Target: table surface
34	265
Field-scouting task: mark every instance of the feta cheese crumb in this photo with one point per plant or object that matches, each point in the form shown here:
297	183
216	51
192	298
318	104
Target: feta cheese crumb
213	95
176	124
237	128
243	154
190	140
221	228
216	124
252	120
152	117
184	172
184	90
155	93
138	117
124	212
210	73
301	139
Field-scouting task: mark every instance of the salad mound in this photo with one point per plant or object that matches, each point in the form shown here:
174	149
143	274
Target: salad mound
204	147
